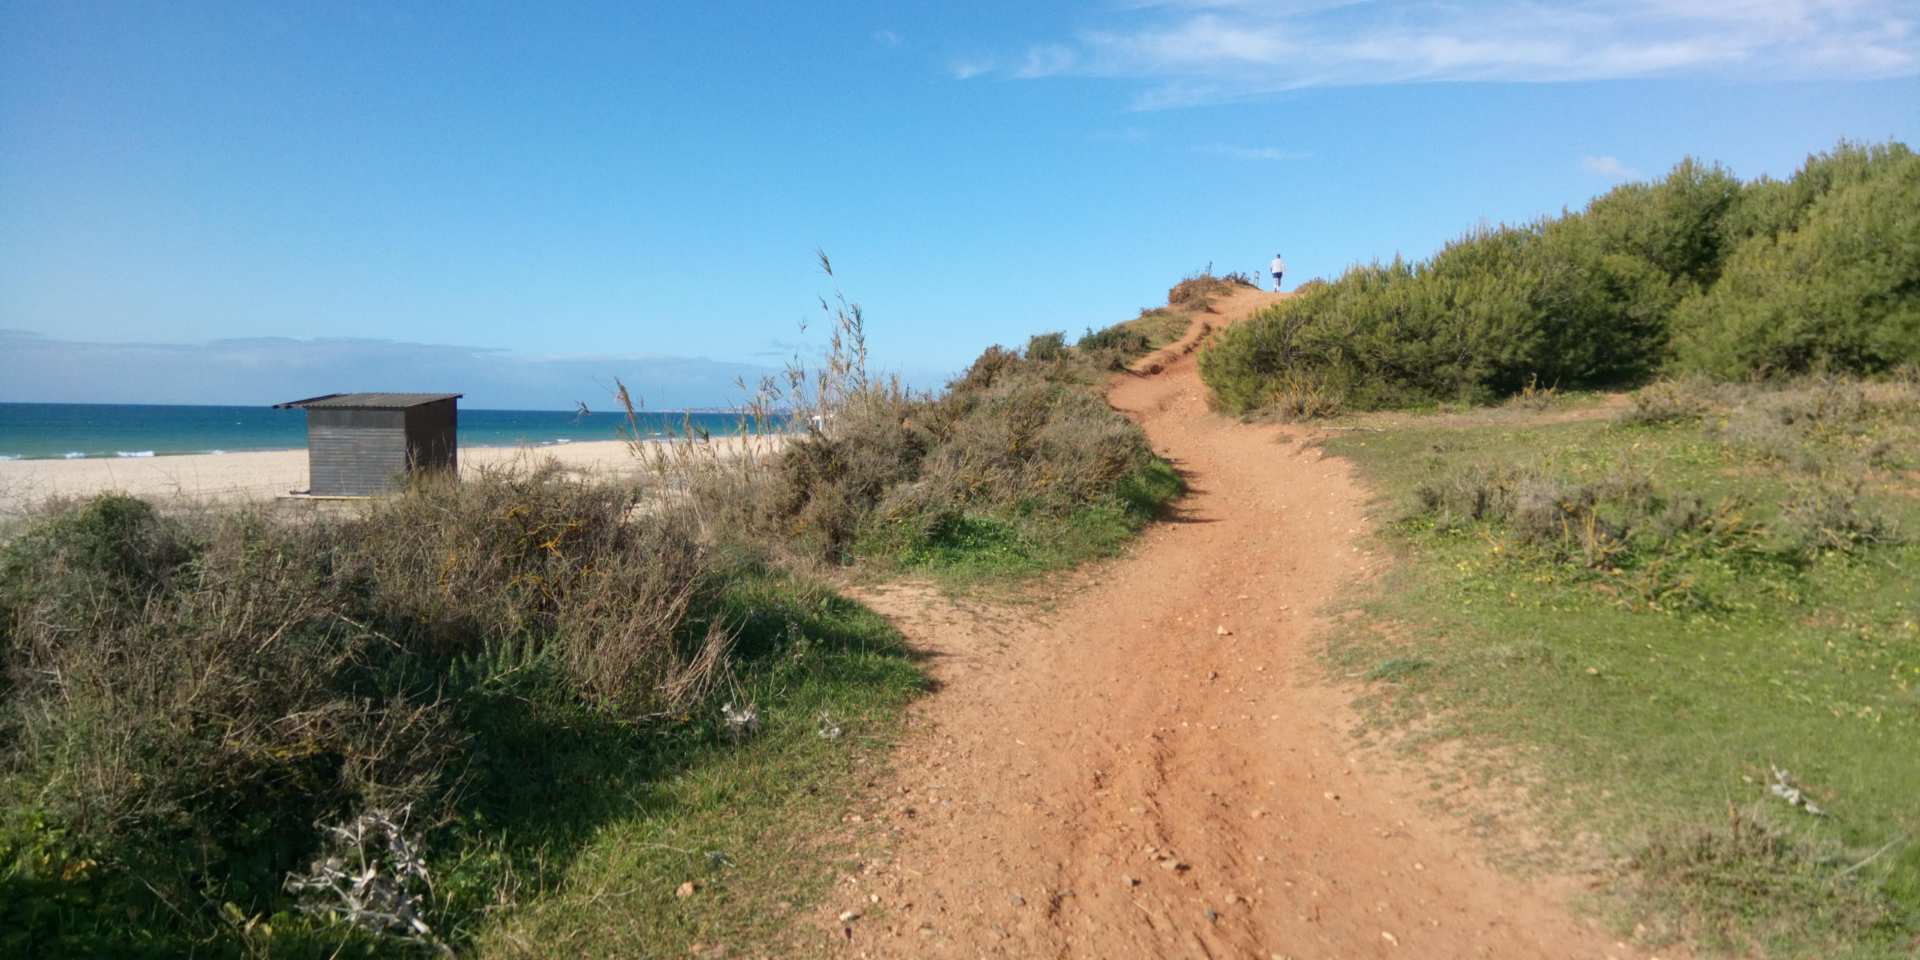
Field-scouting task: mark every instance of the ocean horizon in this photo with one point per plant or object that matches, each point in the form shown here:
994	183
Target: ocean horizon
74	431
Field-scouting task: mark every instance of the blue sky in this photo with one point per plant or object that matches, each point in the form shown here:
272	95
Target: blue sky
620	189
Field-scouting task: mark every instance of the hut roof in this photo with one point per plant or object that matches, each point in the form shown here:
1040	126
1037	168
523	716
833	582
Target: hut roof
367	401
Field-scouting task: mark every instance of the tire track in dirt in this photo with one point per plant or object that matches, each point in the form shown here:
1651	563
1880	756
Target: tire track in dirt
1157	767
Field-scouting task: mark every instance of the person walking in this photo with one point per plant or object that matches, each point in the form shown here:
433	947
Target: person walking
1279	267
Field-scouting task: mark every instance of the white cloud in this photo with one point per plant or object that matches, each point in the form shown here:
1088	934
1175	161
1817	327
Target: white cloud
1609	167
967	69
1046	61
1196	51
1252	153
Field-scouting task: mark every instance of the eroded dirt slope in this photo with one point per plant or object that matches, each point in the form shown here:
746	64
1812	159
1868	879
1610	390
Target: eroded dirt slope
1157	767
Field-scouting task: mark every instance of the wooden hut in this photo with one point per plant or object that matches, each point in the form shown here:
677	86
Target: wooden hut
362	444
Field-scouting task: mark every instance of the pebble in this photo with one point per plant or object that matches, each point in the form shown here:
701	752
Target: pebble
1017	900
685	890
1223	631
1128	881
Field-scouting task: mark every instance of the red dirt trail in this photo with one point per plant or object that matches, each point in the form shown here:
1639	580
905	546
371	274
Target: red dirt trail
1158	766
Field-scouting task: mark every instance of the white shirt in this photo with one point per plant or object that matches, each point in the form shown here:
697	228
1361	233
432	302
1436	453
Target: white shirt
1279	265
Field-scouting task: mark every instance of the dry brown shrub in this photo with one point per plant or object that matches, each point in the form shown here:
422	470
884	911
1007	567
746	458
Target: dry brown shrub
1197	292
196	691
1300	397
1671	401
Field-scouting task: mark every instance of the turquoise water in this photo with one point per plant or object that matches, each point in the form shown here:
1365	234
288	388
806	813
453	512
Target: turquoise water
42	431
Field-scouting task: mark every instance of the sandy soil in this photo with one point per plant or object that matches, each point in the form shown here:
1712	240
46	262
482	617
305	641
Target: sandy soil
1159	767
261	475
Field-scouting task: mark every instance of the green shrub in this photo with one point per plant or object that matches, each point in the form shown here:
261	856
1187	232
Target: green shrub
1047	347
1678	225
1490	314
1770	208
1841	293
1818	274
1116	346
1117	338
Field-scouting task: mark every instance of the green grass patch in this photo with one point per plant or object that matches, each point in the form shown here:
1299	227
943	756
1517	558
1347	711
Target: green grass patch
997	548
1654	615
752	825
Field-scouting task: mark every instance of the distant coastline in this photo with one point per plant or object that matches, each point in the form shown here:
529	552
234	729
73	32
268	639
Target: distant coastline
86	431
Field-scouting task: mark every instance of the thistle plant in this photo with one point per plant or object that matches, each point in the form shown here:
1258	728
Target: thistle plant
371	877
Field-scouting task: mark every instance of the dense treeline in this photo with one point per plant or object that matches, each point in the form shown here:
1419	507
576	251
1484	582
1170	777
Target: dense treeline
1697	272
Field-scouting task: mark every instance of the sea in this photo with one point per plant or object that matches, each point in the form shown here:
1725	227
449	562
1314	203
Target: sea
52	431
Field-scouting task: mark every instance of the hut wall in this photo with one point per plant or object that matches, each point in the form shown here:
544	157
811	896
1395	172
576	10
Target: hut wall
433	436
353	453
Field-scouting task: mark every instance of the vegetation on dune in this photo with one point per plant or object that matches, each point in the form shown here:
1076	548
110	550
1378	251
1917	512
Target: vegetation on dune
1696	272
1669	616
1017	466
1116	346
499	667
553	716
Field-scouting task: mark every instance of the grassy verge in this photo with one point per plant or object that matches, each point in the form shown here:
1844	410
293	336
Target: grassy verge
983	549
753	827
1646	618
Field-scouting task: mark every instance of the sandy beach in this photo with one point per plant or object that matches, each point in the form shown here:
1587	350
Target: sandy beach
262	475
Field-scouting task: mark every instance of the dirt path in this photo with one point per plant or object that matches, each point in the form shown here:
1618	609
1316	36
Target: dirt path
1156	768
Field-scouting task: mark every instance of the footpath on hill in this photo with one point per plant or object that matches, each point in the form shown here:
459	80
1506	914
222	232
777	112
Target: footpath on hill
1158	765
